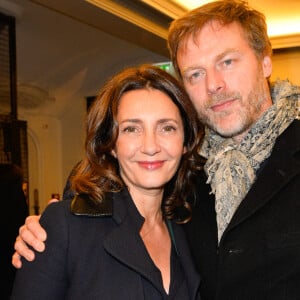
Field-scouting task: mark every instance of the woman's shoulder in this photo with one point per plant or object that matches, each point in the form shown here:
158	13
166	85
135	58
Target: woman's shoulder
83	205
78	211
56	212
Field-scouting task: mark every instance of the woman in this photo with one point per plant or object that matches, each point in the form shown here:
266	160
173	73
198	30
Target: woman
118	238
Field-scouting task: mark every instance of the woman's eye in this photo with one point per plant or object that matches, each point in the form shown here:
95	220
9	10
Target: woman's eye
169	128
129	129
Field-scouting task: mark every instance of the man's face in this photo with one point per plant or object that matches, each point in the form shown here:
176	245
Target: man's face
225	80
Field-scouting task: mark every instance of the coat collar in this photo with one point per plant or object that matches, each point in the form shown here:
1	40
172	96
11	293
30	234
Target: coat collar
82	205
282	166
124	242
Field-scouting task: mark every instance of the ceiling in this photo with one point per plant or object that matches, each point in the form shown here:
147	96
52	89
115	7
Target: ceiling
67	48
283	17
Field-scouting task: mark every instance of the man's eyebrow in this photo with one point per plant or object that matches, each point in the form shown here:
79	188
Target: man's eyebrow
218	57
226	52
191	68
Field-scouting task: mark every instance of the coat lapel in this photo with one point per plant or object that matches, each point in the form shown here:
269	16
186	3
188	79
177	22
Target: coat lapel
193	278
282	166
125	245
124	242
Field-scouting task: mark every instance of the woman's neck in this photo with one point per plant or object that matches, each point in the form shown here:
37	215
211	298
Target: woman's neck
148	204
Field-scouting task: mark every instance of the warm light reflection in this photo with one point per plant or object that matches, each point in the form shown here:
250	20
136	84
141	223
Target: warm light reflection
190	4
284	27
288	25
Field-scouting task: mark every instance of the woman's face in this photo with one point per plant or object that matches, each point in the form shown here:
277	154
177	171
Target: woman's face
150	142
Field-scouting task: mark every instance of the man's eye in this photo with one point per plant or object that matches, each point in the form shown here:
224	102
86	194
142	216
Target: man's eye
227	62
195	76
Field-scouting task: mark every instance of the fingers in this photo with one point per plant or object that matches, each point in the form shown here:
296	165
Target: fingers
33	234
53	200
16	260
30	234
21	250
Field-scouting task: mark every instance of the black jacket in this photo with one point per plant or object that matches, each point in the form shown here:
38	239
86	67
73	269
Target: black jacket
258	257
14	211
98	254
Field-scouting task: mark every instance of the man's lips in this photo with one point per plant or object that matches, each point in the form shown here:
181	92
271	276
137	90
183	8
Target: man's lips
222	105
151	165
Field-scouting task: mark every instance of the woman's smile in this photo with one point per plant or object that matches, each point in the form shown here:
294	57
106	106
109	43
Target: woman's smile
151	165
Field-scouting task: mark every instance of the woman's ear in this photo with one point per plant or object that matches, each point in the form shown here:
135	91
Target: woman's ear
113	153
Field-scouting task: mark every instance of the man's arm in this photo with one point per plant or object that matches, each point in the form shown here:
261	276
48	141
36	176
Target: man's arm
33	234
30	234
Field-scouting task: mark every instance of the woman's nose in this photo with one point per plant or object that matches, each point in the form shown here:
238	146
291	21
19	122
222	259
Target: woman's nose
151	144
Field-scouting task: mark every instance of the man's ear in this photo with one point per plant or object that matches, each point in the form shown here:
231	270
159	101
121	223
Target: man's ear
267	66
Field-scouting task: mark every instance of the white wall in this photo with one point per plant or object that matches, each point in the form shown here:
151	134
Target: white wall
45	157
55	144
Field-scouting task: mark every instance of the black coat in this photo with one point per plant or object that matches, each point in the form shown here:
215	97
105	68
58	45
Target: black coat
258	257
98	254
14	211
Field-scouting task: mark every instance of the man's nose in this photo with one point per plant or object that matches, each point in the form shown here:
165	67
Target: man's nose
214	81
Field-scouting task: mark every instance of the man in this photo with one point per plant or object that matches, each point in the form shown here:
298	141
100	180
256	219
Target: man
245	230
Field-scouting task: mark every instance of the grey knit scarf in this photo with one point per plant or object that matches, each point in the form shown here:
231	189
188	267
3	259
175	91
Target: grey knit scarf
231	168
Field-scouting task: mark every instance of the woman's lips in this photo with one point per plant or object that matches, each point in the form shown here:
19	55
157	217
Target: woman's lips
151	165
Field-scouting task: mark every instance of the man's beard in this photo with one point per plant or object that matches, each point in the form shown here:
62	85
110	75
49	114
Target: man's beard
245	116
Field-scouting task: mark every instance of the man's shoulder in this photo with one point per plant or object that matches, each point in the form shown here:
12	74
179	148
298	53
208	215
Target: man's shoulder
289	140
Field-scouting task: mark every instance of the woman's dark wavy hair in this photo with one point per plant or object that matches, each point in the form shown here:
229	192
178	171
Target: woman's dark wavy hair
98	173
252	22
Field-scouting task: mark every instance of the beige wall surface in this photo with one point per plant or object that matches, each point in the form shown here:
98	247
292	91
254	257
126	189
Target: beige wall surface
286	65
